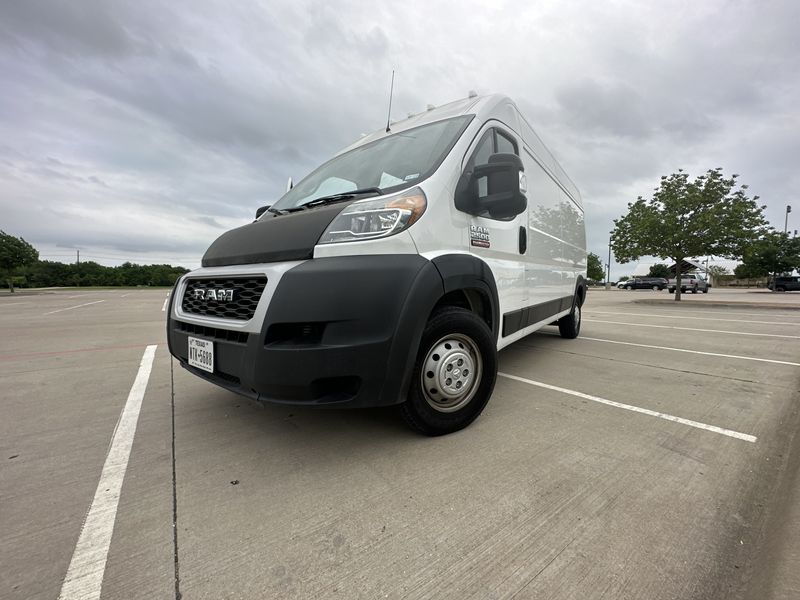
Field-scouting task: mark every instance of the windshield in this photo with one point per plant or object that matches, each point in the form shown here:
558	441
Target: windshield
391	163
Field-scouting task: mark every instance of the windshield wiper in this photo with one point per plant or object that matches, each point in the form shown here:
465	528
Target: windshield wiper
339	197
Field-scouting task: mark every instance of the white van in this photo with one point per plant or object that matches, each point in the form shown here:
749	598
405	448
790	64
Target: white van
394	272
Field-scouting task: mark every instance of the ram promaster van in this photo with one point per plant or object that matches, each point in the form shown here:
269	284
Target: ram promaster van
394	272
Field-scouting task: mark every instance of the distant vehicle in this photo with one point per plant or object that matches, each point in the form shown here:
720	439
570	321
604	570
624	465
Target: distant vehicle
621	284
785	284
645	283
691	282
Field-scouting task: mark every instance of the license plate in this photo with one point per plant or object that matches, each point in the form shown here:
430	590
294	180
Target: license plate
201	354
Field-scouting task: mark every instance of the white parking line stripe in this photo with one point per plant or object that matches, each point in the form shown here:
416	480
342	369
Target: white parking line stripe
71	307
123	295
77	296
2	304
163	308
645	411
784	312
766	360
603	312
84	578
794	337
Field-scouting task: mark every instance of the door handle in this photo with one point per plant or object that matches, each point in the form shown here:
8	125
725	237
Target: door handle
523	240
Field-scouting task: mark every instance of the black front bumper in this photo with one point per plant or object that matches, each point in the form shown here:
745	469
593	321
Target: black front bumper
338	331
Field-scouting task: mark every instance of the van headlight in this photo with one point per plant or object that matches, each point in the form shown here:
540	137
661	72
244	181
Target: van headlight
371	219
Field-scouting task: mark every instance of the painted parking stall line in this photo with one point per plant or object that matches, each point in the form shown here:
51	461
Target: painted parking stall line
775	335
166	300
645	411
626	314
84	578
52	312
734	356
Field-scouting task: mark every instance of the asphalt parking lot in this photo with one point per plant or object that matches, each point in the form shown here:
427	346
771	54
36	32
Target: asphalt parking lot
650	458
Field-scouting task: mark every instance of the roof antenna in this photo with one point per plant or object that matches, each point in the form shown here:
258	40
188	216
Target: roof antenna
389	116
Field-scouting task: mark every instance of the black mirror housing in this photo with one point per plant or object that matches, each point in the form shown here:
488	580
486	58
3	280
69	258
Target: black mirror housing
504	198
261	210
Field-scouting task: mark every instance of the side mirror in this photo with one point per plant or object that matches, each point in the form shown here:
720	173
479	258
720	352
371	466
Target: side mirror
261	210
497	187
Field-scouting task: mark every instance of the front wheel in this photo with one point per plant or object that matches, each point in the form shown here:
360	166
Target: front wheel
629	288
780	289
454	373
656	288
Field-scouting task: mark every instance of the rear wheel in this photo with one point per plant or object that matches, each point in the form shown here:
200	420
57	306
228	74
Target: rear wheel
705	291
454	373
780	289
629	288
671	290
694	290
656	288
570	326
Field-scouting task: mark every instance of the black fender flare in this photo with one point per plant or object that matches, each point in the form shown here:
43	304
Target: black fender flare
467	272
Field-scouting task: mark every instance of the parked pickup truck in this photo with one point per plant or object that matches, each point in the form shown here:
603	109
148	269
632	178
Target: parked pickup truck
690	282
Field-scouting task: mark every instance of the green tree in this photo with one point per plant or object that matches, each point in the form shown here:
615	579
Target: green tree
772	253
594	268
659	270
15	253
689	218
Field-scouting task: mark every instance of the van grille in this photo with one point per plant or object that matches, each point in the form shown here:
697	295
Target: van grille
246	294
221	335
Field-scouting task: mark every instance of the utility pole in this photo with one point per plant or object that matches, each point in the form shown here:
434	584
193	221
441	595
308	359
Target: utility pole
608	266
786	220
78	267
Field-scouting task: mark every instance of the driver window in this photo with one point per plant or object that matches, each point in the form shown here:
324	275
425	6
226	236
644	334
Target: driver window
492	142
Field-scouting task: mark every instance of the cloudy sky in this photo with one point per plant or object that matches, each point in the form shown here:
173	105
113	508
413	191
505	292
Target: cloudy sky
142	130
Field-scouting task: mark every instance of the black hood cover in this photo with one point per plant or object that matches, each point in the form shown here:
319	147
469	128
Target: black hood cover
274	238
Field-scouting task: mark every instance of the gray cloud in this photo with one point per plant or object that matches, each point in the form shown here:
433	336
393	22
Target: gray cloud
146	129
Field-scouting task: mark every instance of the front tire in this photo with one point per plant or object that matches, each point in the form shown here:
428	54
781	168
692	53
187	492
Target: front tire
454	373
629	288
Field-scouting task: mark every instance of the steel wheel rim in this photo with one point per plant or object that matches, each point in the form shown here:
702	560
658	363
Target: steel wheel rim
445	385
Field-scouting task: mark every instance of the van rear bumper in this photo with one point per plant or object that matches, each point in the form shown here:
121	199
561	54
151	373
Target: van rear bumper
340	331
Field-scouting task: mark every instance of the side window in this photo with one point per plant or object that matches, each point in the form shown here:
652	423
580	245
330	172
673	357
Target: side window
505	144
492	142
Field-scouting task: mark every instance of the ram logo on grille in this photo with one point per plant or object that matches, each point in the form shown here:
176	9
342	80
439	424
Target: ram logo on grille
212	294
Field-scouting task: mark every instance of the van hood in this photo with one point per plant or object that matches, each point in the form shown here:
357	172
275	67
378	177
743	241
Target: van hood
273	238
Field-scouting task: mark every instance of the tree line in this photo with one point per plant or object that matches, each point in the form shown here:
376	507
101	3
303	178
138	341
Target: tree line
20	267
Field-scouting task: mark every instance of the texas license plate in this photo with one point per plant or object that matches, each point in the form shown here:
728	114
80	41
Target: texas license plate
201	354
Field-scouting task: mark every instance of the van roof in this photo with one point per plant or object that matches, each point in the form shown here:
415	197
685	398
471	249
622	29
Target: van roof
484	107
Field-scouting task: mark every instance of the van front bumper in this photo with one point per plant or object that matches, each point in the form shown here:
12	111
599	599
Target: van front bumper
340	331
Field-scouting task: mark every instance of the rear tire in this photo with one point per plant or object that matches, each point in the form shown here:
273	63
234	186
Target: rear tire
454	373
629	288
656	288
705	291
671	290
570	326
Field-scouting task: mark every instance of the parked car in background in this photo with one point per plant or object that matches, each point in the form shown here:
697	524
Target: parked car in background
645	283
785	284
690	282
